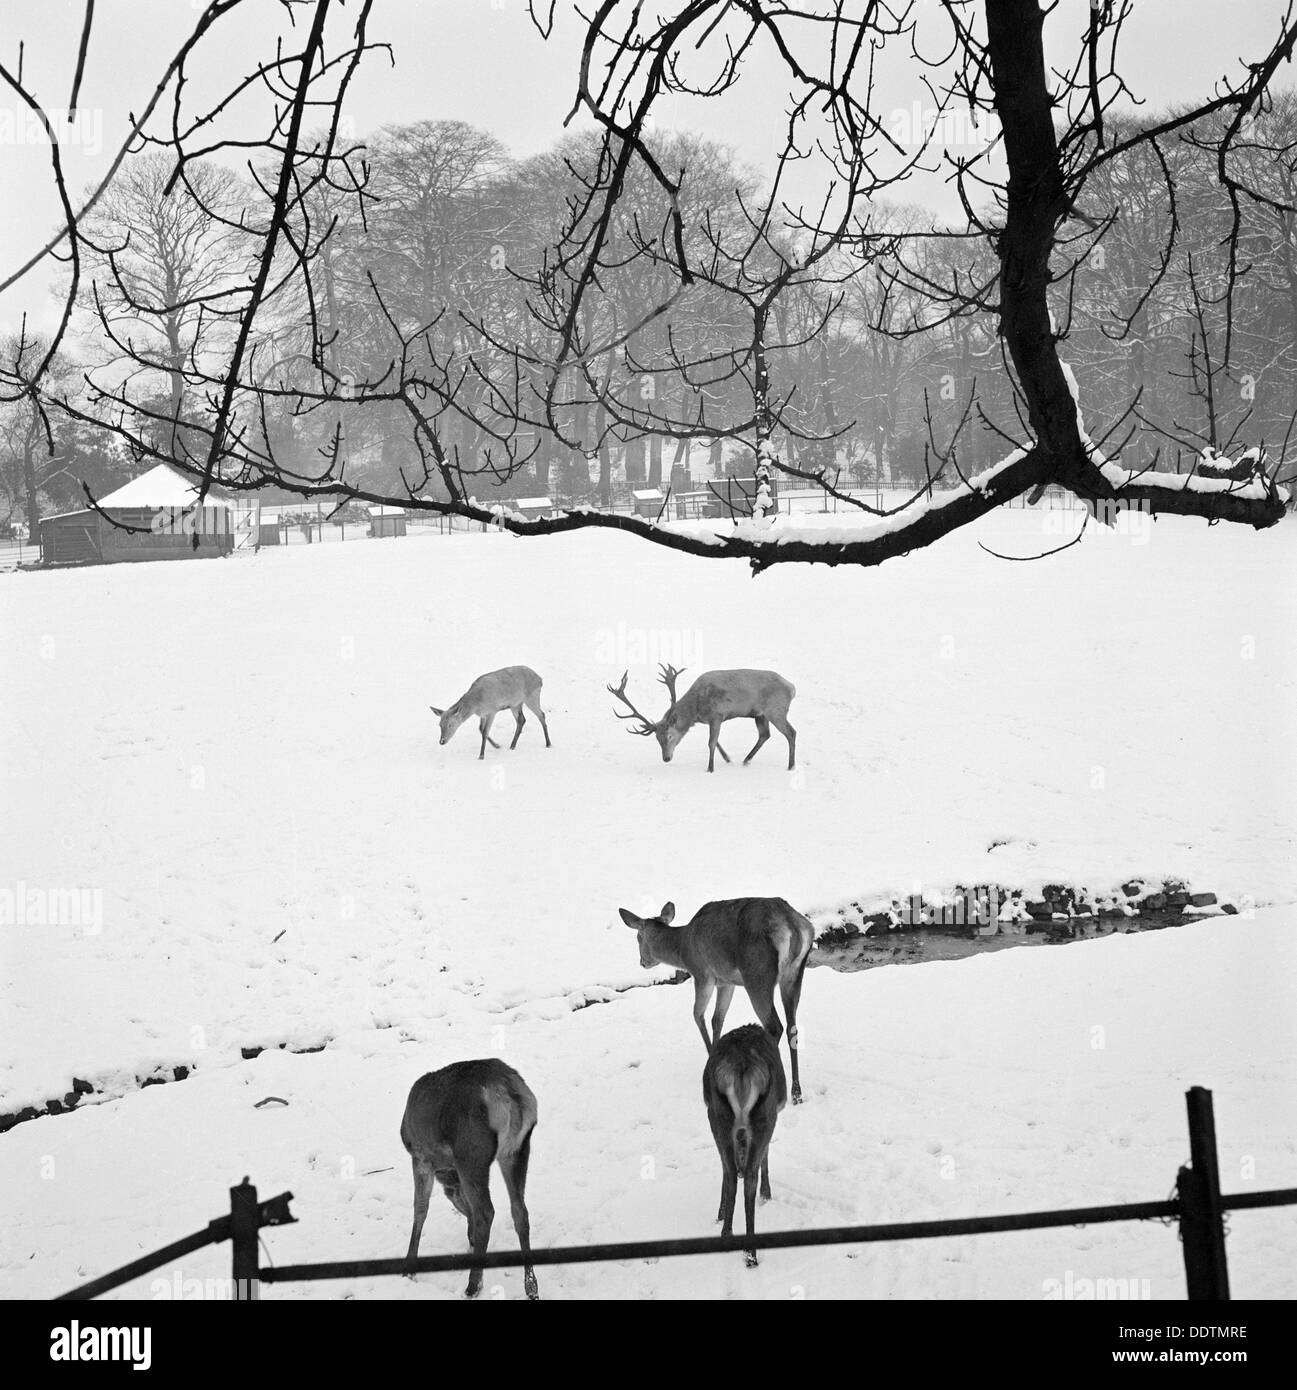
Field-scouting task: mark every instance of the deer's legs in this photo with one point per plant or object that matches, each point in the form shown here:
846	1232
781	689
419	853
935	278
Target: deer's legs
514	1168
477	1197
422	1191
721	1124
724	993
790	734
702	996
765	1179
750	1208
763	1005
791	992
485	725
534	705
517	733
763	733
714	745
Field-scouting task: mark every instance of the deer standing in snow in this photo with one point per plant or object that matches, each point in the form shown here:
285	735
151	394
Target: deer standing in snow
510	688
754	942
762	696
744	1089
457	1120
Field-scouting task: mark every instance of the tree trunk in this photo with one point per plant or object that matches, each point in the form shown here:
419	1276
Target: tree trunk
1035	204
655	460
636	450
605	459
30	488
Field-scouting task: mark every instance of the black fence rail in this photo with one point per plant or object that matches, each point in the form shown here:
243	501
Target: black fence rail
1199	1207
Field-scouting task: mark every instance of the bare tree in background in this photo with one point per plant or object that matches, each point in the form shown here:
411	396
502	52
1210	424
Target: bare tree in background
162	261
29	457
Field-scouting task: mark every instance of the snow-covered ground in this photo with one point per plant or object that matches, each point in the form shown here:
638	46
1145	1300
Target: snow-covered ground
1024	1081
236	761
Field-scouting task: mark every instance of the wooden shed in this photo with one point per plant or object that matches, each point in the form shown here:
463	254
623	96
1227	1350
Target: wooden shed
153	517
386	521
647	501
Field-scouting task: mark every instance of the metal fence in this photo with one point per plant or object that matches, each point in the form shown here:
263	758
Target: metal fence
15	553
294	526
1198	1207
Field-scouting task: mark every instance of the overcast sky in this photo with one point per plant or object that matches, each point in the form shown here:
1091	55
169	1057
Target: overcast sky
484	62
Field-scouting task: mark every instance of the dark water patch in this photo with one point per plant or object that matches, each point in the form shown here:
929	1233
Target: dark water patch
915	945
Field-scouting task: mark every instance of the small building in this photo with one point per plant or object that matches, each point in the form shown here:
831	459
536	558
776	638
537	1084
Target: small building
647	501
386	521
533	508
153	517
268	532
691	506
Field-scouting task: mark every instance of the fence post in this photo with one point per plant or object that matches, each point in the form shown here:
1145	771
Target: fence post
1202	1223
245	1223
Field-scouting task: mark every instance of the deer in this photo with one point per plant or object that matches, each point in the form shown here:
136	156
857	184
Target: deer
456	1122
754	942
744	1089
510	688
762	696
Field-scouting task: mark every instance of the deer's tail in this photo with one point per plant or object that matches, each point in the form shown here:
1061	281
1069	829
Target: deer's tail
510	1112
743	1088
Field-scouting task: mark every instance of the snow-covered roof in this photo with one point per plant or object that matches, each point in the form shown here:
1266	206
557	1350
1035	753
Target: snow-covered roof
647	494
160	487
534	502
386	511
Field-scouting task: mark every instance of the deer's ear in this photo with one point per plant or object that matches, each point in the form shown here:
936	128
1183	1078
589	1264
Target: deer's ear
436	711
633	922
668	913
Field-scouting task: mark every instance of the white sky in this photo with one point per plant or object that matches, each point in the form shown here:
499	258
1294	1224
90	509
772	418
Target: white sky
482	61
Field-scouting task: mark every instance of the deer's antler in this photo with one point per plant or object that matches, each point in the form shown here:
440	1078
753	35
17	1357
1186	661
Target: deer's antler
618	692
668	678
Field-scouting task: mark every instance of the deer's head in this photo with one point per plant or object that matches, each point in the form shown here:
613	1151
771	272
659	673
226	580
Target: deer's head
669	735
450	719
665	730
641	926
449	1180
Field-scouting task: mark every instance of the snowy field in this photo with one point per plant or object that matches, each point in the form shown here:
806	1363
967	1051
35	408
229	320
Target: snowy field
234	766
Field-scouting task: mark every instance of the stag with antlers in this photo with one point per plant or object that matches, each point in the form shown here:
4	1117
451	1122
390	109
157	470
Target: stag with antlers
762	696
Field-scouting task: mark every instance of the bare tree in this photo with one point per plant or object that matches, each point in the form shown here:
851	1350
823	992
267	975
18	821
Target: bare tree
29	457
163	260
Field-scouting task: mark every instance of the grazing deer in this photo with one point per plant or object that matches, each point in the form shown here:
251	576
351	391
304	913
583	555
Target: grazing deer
457	1120
762	696
509	688
753	942
745	1089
